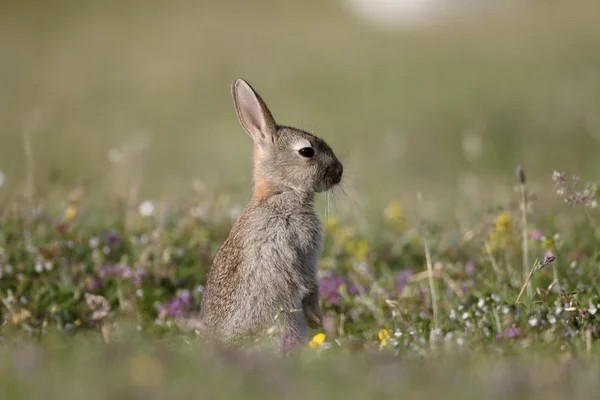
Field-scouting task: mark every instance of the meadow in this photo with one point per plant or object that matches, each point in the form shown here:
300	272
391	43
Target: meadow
461	255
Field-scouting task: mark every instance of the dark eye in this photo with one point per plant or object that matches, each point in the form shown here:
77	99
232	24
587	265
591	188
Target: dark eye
307	152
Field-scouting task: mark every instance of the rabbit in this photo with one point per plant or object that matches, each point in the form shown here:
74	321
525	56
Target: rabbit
264	275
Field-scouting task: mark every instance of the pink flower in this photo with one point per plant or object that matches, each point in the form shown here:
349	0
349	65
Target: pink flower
537	234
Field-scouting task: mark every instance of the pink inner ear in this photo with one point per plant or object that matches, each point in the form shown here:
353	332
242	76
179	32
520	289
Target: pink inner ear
251	114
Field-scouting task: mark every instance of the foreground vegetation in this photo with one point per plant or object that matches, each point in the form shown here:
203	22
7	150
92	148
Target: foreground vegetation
125	283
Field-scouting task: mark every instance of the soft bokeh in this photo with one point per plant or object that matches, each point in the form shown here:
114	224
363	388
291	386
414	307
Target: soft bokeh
442	97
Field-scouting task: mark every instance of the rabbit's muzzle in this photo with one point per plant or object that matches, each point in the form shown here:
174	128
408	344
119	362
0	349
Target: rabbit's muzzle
334	175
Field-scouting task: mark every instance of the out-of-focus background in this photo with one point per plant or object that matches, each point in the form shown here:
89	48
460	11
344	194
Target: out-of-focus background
437	96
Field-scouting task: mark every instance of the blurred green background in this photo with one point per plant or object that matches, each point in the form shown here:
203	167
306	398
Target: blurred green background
447	107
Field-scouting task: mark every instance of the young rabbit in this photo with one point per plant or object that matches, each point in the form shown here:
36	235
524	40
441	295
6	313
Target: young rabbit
264	274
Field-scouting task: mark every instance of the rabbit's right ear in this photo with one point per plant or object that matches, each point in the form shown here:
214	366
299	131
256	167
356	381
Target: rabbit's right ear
252	112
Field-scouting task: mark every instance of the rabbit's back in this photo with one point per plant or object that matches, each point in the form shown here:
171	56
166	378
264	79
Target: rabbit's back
265	266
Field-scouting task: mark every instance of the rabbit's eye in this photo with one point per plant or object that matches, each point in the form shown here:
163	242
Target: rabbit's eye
307	152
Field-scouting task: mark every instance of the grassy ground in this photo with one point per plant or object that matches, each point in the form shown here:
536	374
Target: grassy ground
123	168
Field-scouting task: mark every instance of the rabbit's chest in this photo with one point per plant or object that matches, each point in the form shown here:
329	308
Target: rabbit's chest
287	246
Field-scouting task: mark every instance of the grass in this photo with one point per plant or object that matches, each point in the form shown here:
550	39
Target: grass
124	169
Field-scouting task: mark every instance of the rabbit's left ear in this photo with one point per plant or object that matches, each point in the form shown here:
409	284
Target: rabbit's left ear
253	113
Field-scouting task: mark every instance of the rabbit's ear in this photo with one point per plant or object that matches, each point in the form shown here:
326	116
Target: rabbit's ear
252	112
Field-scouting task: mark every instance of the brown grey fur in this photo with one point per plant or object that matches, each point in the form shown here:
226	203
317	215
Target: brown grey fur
268	262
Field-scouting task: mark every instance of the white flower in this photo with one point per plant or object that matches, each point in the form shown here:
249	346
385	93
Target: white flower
94	242
146	208
2	179
481	303
39	268
533	321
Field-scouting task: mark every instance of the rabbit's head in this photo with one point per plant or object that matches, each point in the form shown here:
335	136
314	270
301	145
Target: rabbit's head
284	157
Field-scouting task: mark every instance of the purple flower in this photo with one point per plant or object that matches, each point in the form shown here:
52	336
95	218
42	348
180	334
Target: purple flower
178	305
402	279
138	276
112	237
354	290
512	333
328	288
94	284
119	270
470	268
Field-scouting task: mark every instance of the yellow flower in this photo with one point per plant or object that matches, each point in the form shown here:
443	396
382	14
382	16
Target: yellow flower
547	243
332	223
342	235
384	336
70	213
394	212
317	340
504	222
359	248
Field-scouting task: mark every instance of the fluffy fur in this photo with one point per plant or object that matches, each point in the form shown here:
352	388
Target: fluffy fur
266	268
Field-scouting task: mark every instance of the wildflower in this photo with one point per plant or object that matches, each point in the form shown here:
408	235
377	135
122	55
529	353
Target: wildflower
317	341
359	248
394	212
512	333
329	288
470	268
533	321
70	213
537	235
402	279
98	305
93	242
384	336
332	223
547	243
504	222
113	237
178	305
146	208
119	270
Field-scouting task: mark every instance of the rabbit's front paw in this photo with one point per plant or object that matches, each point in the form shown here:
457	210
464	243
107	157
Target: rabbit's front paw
313	315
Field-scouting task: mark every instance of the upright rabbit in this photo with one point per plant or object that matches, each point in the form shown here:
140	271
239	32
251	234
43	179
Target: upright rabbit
266	268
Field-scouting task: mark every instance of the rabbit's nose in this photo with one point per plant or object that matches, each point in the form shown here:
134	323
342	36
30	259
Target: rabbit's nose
338	170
